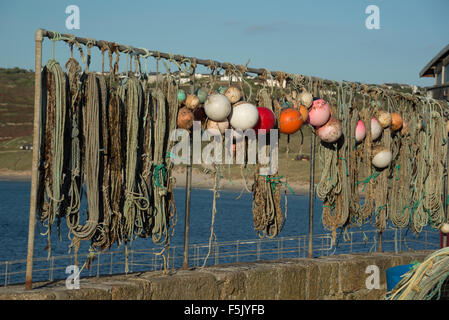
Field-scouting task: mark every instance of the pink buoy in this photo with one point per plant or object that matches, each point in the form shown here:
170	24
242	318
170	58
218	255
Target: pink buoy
360	131
319	113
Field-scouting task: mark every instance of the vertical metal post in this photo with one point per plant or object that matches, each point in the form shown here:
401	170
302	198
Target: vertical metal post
217	253
110	271
445	191
34	169
311	194
185	263
380	249
237	250
6	273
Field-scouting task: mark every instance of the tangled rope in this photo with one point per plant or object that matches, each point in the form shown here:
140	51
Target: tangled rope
425	280
52	197
91	137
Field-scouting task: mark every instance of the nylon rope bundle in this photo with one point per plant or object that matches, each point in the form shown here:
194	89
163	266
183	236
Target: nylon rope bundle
268	215
425	280
91	137
51	195
108	136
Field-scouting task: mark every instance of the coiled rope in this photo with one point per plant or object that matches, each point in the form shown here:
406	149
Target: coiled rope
55	115
91	137
425	280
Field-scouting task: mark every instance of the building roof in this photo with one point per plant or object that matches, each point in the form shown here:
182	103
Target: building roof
427	71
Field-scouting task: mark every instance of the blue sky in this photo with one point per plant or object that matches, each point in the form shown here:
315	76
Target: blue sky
327	39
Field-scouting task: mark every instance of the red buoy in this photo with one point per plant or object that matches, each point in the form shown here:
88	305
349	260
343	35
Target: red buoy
267	119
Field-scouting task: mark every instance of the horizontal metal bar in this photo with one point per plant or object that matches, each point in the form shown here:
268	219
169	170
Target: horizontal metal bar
124	48
360	87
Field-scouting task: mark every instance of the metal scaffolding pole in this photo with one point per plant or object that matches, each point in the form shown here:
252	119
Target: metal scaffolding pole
36	149
311	194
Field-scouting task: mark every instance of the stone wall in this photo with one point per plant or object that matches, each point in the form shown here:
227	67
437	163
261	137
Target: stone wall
335	277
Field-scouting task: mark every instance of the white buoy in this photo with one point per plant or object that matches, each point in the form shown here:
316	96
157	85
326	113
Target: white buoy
381	157
233	94
384	118
376	129
331	131
221	126
305	98
445	228
244	116
217	107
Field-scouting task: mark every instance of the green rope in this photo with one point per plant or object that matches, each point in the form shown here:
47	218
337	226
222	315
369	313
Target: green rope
346	165
156	172
368	179
277	180
397	171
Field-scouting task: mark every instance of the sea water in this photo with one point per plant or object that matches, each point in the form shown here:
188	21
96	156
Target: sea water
233	221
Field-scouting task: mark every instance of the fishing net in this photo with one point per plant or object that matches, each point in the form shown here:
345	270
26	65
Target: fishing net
105	143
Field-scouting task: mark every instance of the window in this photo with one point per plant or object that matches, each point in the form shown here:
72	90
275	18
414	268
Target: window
446	73
438	78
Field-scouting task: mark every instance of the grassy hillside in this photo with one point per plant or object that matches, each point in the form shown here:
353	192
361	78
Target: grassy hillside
16	120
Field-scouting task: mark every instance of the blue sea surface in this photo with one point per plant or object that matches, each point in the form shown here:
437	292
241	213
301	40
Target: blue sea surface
233	221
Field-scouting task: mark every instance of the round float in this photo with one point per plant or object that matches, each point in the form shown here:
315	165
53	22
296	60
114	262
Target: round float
192	101
233	94
376	129
201	93
360	131
384	118
266	120
381	157
305	98
290	121
181	95
244	116
396	121
331	131
445	228
185	118
221	126
217	107
319	113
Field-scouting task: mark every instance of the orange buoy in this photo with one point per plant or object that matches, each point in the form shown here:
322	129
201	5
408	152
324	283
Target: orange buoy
396	121
290	121
304	113
185	118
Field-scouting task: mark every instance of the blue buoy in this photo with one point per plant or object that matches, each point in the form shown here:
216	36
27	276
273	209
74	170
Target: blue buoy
394	275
